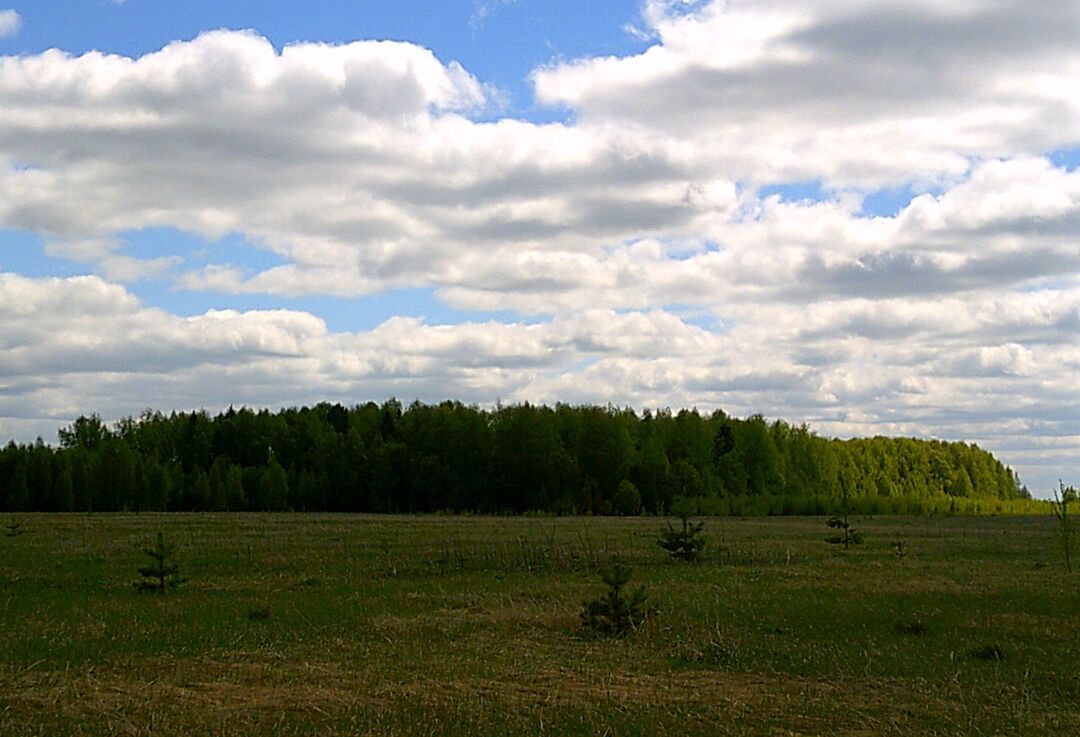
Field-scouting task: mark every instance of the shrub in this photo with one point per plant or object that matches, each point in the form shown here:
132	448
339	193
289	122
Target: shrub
617	613
259	613
988	652
910	627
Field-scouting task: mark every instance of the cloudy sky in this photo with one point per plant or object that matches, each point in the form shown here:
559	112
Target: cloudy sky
864	216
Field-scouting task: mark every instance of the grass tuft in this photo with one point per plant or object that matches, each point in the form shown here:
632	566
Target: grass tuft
988	652
260	613
913	627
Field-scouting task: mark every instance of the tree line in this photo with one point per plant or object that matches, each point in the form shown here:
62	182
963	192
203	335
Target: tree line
511	459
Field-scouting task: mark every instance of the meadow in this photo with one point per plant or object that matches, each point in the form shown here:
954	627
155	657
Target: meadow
295	624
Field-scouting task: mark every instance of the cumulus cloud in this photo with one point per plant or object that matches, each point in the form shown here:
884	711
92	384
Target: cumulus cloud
358	166
10	23
873	94
837	365
647	237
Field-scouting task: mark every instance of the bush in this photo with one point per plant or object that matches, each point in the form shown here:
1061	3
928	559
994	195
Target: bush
615	613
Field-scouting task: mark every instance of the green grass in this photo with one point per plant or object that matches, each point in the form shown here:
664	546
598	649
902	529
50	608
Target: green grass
335	625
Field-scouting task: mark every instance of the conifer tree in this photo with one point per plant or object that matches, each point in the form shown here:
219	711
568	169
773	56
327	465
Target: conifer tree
848	535
162	571
19	493
616	613
684	544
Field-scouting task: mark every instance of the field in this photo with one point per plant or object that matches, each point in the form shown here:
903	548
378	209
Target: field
365	625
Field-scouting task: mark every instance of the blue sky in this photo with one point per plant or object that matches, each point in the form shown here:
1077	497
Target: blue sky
868	220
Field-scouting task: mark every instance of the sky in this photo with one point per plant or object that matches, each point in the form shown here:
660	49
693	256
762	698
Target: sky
861	216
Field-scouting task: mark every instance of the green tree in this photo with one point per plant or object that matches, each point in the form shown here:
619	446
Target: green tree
627	499
158	488
652	472
86	432
275	485
198	491
19	493
960	484
64	491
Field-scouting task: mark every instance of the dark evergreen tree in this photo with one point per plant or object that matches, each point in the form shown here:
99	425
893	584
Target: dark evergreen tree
685	543
162	572
615	612
18	497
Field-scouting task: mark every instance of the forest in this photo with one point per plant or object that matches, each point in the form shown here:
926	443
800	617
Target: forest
514	459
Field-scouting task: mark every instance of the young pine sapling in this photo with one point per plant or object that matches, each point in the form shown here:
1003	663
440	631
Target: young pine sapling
848	535
163	571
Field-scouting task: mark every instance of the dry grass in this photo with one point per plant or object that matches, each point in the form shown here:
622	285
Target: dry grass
232	692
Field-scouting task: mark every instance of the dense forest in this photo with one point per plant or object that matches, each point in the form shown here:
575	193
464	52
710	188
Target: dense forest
512	459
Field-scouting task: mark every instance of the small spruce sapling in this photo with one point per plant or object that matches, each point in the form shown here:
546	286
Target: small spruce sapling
686	543
617	613
163	571
1064	497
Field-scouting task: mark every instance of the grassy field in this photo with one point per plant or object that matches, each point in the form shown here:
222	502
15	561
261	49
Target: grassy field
362	625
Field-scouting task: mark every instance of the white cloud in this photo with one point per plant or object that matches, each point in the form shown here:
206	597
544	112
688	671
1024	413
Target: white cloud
873	93
10	23
354	165
360	168
849	368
